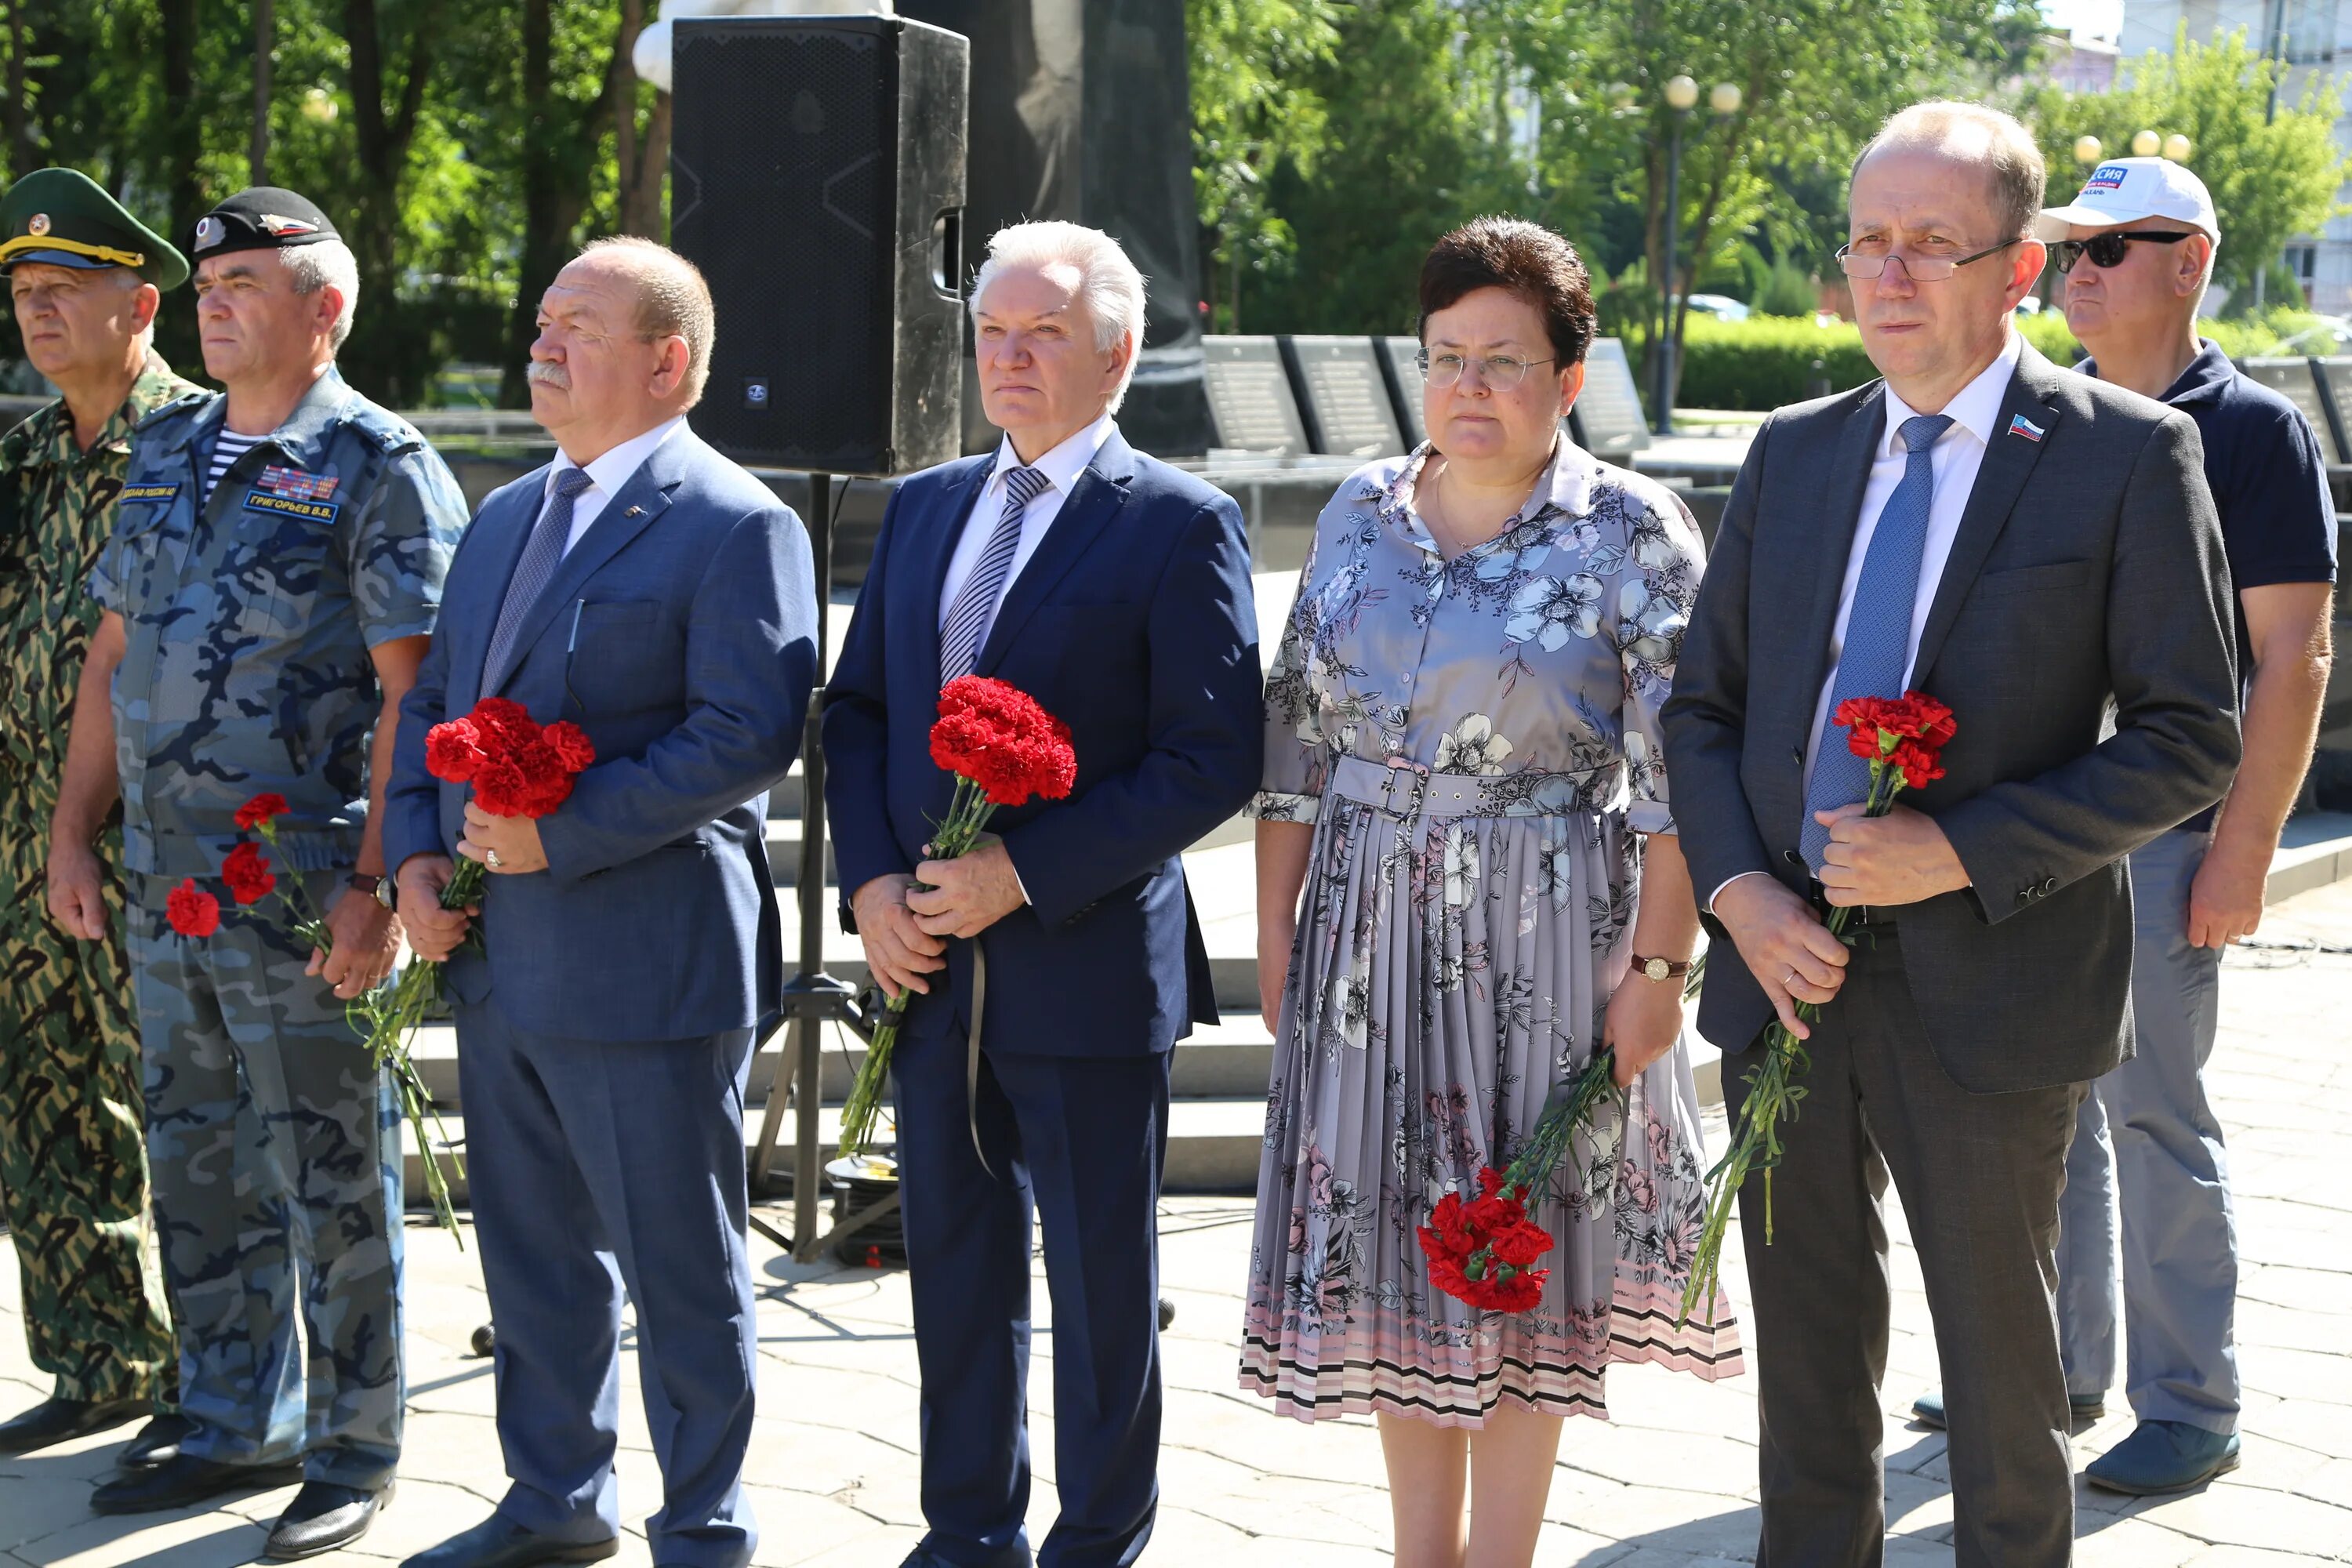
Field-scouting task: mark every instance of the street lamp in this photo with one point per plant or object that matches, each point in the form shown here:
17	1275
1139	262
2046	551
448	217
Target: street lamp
2087	150
1681	97
2145	143
2177	148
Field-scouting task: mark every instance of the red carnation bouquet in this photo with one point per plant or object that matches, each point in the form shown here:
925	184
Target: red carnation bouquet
384	1015
1483	1251
517	768
1003	749
1904	739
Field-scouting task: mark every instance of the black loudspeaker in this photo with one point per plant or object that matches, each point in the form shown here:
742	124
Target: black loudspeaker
817	178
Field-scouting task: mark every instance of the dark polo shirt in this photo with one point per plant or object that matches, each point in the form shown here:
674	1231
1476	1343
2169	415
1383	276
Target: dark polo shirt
2269	481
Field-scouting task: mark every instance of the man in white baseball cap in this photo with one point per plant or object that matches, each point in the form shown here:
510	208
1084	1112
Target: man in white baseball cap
2136	250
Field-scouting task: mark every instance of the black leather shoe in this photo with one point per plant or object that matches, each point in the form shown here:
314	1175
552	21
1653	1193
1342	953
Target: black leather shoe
183	1480
323	1516
500	1543
157	1441
57	1421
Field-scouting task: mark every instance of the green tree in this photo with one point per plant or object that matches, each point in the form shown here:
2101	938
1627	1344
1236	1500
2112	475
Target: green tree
2271	179
1250	113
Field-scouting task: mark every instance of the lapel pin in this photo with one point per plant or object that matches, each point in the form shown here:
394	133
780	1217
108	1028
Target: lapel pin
634	511
2019	425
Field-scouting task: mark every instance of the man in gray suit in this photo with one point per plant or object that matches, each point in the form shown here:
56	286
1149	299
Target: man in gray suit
2036	549
650	590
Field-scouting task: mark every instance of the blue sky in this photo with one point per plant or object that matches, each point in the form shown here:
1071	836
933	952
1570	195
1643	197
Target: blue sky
2102	18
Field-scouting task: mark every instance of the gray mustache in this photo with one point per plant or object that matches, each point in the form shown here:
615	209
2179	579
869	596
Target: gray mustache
549	374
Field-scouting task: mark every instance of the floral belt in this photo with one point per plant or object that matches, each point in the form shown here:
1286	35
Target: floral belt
1411	794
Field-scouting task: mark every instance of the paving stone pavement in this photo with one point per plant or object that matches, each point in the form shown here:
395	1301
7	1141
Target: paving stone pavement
1668	1483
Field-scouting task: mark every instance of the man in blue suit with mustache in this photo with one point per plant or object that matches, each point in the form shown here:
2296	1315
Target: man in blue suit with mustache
648	589
1116	591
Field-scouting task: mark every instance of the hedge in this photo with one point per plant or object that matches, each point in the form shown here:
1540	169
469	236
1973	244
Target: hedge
1765	362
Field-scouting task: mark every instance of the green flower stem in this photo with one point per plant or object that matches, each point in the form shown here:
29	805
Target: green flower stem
387	1017
1774	1092
967	815
1570	1106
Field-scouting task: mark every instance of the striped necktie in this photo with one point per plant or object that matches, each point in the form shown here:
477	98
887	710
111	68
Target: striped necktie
1877	648
974	610
541	556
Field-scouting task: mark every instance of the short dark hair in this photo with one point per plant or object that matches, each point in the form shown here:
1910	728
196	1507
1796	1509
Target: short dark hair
1527	258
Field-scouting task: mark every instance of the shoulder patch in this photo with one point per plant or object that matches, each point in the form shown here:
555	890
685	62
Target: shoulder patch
186	402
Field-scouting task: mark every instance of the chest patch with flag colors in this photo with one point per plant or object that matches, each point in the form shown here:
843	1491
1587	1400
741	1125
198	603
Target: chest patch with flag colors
148	492
2019	425
296	485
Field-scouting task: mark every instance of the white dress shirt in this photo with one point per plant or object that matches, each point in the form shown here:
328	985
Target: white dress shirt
1061	466
606	475
1957	455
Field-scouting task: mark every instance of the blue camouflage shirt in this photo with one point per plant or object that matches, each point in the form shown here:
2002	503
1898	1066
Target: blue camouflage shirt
249	616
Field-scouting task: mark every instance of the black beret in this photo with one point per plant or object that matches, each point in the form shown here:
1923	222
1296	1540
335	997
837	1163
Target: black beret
264	217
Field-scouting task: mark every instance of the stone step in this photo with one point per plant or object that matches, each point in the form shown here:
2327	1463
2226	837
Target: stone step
1233	1060
1213	1147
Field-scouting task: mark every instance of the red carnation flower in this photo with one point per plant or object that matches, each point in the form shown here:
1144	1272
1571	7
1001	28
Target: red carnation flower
192	912
570	743
260	810
246	872
452	751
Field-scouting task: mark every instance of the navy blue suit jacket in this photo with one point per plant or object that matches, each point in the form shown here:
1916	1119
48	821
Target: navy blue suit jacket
1133	622
681	633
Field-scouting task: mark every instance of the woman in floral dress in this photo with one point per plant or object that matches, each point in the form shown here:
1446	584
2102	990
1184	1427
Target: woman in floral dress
1465	779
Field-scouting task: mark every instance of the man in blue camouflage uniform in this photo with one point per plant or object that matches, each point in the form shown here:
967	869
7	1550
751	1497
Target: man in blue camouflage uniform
268	592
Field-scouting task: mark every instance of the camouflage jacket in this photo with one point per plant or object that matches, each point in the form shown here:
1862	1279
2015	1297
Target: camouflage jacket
249	615
56	507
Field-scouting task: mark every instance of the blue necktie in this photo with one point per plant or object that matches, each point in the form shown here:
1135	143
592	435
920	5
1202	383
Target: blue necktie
1877	629
541	554
975	609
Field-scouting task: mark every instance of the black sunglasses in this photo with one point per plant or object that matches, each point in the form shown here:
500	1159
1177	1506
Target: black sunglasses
2108	249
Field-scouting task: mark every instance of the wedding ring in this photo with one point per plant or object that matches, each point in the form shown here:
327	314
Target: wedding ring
1786	980
490	857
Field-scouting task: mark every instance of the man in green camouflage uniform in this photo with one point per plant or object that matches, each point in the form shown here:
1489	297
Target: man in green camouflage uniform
84	279
269	589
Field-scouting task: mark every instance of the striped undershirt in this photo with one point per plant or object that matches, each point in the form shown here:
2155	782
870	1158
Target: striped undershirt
227	447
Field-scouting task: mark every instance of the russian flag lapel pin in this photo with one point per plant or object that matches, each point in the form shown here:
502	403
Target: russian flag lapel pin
2019	425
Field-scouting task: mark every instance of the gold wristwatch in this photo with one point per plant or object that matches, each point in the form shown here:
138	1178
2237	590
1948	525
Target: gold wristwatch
1660	969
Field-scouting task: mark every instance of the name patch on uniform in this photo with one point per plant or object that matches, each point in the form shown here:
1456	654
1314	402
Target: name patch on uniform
316	511
296	485
148	492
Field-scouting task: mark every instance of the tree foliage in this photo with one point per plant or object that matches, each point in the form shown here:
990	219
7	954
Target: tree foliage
1418	114
463	147
2272	178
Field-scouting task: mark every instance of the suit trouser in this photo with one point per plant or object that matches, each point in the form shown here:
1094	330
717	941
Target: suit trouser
274	1141
1979	1177
2145	1135
596	1164
1079	1142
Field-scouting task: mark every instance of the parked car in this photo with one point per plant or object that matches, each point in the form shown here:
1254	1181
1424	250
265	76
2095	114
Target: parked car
2331	335
1722	307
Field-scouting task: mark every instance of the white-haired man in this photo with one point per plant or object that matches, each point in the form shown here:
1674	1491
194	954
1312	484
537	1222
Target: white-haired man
1116	590
272	579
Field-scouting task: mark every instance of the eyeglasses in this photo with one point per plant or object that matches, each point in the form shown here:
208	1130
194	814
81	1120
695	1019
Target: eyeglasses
2108	249
1919	269
1501	372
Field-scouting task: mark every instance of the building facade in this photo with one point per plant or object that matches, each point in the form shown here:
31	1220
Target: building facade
2315	37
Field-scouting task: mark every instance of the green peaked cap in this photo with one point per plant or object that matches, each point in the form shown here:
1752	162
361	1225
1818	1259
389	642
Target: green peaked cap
65	218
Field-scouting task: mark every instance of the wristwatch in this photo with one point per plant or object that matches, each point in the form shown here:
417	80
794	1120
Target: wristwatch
380	889
1660	969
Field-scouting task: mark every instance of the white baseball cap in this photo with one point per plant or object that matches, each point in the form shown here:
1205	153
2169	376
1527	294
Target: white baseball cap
2124	189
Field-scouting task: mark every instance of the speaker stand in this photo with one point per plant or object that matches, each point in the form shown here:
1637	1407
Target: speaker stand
812	998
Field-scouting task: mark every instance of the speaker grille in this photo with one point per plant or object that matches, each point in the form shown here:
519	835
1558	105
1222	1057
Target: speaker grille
787	134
